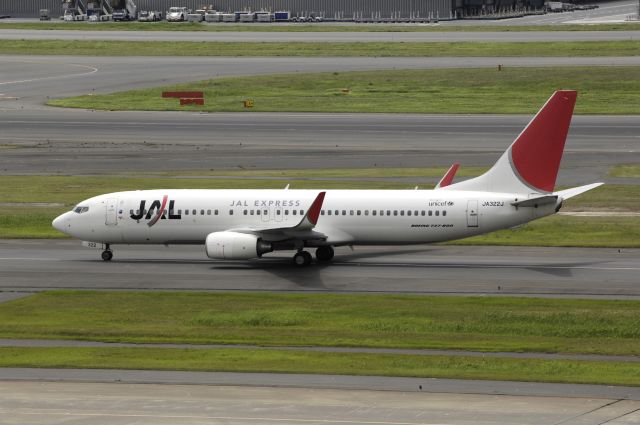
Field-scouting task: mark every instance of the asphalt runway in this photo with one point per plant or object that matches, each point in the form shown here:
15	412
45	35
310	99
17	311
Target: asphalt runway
24	403
27	266
51	140
85	142
320	37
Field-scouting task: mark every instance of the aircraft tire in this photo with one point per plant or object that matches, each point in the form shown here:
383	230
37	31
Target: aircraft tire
107	255
302	259
324	254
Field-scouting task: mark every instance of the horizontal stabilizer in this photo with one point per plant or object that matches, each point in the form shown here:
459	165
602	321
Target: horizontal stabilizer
570	193
535	202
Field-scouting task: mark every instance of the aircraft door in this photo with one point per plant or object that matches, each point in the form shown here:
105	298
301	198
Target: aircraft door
111	213
472	213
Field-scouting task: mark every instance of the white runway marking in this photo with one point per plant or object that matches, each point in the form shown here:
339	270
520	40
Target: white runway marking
91	70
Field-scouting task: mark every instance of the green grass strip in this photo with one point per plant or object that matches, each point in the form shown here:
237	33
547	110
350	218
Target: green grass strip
170	26
626	170
273	361
314	49
602	90
268	319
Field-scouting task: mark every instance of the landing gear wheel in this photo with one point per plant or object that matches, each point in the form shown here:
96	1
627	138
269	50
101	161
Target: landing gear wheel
107	255
324	254
302	259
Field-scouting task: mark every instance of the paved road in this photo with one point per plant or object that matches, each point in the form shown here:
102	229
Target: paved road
25	403
553	272
323	37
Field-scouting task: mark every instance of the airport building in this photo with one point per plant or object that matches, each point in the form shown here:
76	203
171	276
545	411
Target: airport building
396	10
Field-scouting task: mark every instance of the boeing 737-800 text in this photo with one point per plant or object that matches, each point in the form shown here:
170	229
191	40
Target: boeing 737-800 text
245	224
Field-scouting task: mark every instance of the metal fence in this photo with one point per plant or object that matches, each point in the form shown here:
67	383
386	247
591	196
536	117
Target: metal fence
346	9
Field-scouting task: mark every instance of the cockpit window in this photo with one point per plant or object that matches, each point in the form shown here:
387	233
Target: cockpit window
80	210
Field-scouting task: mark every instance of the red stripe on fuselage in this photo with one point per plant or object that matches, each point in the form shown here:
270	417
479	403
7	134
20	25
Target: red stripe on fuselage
160	211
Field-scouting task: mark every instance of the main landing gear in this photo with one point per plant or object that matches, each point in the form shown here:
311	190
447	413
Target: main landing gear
324	254
107	254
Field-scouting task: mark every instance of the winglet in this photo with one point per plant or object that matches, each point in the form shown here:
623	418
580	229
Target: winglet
310	219
447	179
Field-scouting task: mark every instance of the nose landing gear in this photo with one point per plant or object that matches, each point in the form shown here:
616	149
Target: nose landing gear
107	254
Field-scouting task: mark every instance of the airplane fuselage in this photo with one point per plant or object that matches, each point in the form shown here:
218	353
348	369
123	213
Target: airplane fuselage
347	217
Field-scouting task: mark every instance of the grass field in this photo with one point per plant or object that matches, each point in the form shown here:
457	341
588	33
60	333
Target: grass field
264	361
626	170
603	90
269	319
311	49
22	219
187	26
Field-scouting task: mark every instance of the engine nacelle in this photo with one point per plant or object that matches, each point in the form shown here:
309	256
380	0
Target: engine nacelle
235	246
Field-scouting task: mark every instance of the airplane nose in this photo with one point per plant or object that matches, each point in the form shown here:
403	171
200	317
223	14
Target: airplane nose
60	222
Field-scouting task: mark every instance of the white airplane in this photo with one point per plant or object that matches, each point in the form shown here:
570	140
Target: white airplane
245	224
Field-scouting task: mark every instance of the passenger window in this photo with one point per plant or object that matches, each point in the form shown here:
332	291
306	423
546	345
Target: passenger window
201	212
402	212
350	212
266	212
251	212
422	213
366	212
358	212
415	213
277	212
195	212
230	212
295	212
215	212
328	212
430	213
186	212
444	213
409	212
258	212
344	212
179	212
208	212
437	213
321	212
337	212
301	212
245	212
130	212
395	212
286	212
374	212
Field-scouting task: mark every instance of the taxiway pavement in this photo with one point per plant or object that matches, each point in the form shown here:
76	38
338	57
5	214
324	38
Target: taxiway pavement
321	37
26	403
27	266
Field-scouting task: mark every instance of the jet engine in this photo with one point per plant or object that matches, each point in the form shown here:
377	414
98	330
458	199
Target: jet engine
235	246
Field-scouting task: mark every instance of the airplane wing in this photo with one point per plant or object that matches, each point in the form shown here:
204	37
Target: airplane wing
302	230
447	179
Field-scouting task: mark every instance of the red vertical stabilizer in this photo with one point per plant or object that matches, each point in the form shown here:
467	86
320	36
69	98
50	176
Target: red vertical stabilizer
537	151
